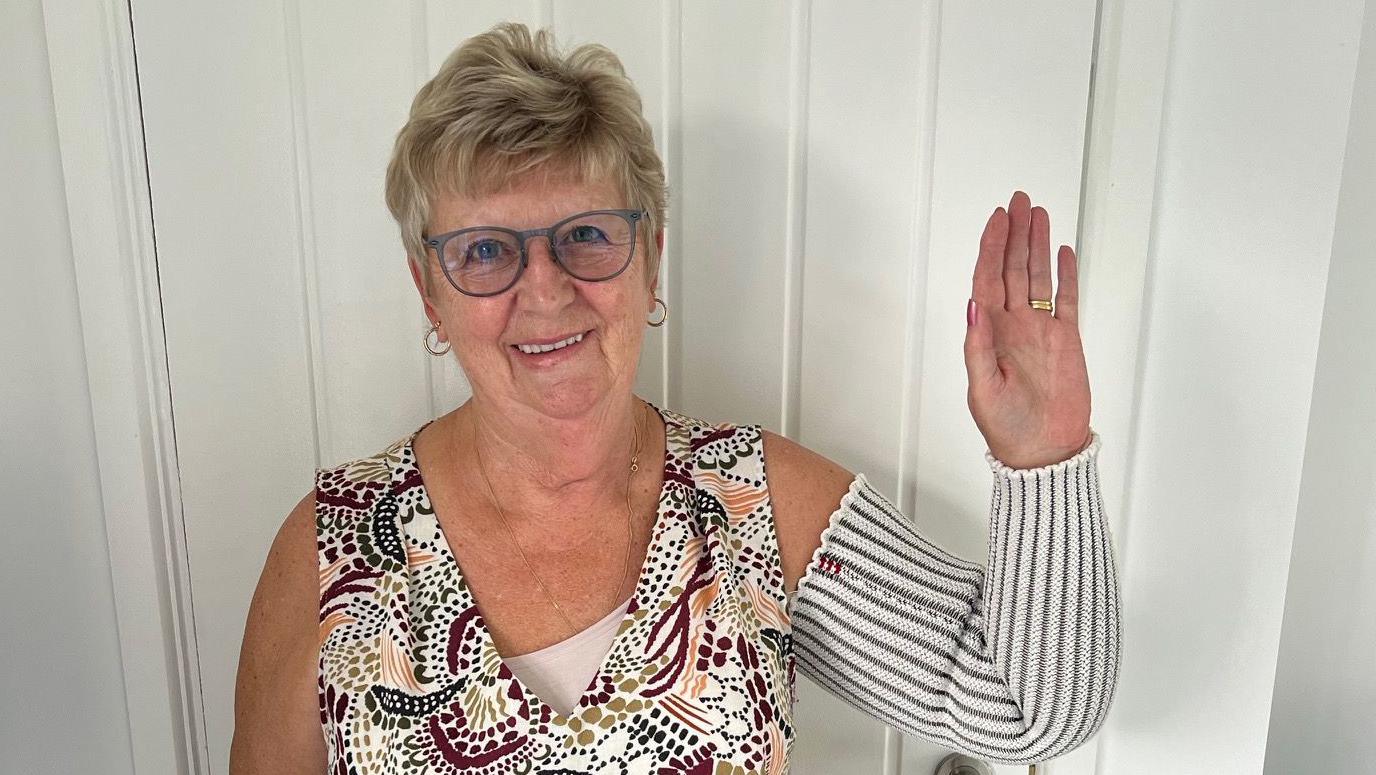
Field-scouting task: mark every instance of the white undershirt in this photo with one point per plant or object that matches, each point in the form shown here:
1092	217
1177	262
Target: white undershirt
560	673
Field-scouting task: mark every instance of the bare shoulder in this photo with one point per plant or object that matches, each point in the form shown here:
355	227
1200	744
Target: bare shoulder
276	720
805	488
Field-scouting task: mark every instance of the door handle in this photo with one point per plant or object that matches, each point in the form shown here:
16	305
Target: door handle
960	764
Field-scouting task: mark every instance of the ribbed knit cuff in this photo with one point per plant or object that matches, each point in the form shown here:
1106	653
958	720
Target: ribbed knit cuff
1080	458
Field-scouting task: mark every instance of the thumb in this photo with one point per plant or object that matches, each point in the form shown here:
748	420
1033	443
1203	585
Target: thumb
980	364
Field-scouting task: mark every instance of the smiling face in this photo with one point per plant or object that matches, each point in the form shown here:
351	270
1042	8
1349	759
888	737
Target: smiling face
545	305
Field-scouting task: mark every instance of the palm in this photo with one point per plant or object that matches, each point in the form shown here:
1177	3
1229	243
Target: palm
1029	386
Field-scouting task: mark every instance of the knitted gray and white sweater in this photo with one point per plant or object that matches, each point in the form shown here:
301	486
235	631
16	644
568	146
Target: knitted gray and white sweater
1015	662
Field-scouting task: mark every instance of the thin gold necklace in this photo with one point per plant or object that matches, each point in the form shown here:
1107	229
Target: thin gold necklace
625	563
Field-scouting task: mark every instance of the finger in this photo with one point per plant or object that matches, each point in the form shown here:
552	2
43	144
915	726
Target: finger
1039	256
1015	258
1068	286
981	363
988	281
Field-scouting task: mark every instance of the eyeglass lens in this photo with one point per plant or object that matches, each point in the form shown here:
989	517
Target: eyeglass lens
591	247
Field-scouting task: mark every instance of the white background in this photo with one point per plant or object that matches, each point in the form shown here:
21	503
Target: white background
1211	166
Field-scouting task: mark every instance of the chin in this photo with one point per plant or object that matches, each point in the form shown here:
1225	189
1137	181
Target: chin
567	401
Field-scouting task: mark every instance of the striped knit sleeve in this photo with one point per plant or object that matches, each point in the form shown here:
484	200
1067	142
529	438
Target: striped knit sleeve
1015	662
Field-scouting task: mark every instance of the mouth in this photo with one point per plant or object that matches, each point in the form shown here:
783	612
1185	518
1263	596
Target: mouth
551	353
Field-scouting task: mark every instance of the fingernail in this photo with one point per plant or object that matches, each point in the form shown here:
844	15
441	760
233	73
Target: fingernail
971	313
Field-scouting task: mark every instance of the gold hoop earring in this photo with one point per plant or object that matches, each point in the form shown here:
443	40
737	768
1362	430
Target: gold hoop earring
434	329
661	303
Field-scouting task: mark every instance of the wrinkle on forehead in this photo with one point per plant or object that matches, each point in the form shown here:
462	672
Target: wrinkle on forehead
542	196
495	172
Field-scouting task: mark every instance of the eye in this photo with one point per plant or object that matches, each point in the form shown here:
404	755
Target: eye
486	251
586	233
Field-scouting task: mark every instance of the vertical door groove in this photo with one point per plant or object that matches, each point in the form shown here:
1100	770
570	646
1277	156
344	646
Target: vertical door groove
306	256
795	213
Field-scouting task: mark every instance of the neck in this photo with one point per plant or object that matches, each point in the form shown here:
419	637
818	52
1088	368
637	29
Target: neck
552	469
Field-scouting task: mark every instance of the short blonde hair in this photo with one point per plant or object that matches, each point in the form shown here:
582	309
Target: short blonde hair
508	101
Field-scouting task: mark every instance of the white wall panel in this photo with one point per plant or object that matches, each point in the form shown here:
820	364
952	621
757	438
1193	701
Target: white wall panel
1252	142
222	167
366	316
65	704
1325	675
732	198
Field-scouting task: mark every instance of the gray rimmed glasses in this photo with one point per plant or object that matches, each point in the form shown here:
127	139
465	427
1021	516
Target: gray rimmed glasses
486	260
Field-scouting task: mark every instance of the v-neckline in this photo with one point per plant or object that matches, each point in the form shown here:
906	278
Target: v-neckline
676	448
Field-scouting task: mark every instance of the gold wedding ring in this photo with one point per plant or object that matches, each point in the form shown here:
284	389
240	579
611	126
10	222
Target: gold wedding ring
1040	304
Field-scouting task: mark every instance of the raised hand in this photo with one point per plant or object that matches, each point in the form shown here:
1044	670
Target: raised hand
1029	388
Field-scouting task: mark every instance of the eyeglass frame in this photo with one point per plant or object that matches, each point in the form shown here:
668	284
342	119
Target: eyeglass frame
437	243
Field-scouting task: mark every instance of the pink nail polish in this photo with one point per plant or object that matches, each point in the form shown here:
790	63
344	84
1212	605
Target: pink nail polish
971	313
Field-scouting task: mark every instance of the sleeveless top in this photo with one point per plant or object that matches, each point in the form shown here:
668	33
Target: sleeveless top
699	677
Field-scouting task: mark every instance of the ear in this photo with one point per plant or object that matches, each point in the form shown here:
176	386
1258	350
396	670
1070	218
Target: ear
420	288
659	251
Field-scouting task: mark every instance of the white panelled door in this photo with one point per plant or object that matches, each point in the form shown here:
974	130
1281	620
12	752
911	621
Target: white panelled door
830	172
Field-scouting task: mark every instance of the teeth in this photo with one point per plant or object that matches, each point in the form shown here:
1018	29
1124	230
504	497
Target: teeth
544	348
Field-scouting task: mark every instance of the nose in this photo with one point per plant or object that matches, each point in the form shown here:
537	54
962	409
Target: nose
543	275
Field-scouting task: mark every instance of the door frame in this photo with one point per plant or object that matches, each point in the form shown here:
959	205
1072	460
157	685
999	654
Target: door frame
93	66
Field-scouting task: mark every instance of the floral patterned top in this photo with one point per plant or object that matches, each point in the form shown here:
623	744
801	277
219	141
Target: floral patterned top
699	677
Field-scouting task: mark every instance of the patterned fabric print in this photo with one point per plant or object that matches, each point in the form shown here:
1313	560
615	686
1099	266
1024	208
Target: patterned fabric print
699	678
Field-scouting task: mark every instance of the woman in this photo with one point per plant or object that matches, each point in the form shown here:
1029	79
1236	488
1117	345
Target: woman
468	599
